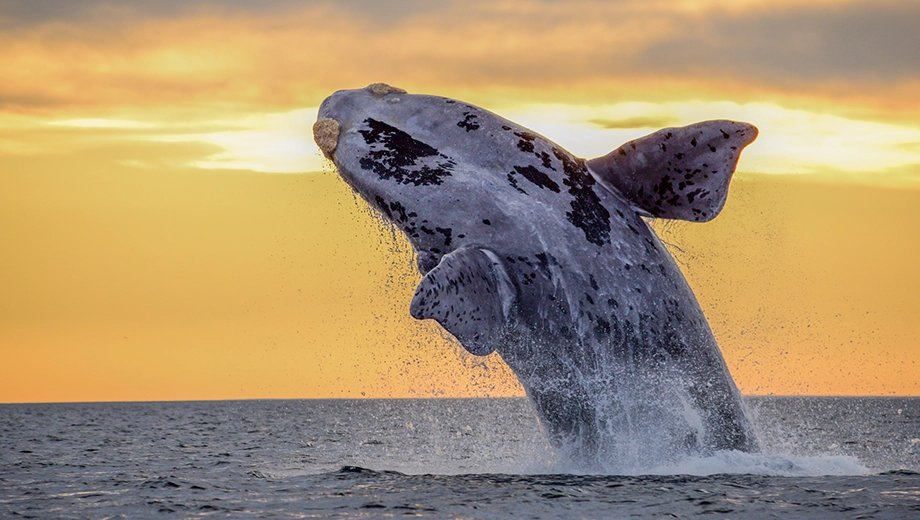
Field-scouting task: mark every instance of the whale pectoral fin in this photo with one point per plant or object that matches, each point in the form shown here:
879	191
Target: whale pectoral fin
679	173
470	295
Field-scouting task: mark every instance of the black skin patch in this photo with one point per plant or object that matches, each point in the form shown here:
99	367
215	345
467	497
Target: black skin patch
545	260
526	142
395	155
535	176
382	204
547	163
526	145
525	265
601	328
514	183
469	122
398	214
666	194
447	235
588	214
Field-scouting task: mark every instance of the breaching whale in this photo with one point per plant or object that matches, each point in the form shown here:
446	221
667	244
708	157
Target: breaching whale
545	258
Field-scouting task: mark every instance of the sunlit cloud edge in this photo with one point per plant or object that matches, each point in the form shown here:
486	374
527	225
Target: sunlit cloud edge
790	141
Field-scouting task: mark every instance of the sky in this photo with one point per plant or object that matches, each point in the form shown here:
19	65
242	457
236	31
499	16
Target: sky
169	231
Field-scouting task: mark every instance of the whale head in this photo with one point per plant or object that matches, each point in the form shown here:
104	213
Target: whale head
434	167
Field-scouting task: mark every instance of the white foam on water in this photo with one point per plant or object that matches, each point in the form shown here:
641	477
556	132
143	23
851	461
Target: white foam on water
737	462
720	462
723	462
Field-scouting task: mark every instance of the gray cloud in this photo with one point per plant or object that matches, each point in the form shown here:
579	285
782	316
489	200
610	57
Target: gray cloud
856	47
24	13
861	42
875	40
634	122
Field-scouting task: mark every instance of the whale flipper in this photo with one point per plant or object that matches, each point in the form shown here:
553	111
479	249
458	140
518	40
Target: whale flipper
470	294
677	173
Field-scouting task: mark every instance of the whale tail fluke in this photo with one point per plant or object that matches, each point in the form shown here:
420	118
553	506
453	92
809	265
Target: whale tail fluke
677	173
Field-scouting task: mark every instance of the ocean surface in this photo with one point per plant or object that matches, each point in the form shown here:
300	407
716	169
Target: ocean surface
437	458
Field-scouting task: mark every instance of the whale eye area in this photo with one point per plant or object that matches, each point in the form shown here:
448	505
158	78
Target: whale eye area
396	155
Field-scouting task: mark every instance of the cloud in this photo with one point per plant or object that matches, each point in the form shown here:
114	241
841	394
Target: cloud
101	123
270	143
790	141
286	54
237	73
864	43
19	13
634	122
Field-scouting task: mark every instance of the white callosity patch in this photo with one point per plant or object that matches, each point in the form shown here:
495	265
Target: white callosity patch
326	135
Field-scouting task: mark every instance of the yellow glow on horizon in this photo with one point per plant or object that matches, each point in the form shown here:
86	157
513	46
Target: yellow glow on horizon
100	123
182	283
790	141
270	143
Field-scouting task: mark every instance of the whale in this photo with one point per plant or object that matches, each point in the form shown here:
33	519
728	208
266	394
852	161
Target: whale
549	260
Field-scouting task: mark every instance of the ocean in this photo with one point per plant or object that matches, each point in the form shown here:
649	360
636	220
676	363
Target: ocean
847	457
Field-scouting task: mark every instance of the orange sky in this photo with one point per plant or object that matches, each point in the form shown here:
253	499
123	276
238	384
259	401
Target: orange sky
167	231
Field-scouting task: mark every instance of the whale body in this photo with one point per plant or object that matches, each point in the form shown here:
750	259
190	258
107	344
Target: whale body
546	258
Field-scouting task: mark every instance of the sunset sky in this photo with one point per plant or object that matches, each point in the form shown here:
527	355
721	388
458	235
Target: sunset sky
169	230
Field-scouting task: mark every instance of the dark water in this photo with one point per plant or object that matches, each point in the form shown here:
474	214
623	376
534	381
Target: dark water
449	458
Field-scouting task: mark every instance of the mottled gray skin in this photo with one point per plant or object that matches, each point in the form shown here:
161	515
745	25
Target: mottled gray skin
528	252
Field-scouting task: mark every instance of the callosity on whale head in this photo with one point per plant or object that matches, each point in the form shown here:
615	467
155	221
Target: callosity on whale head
545	258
